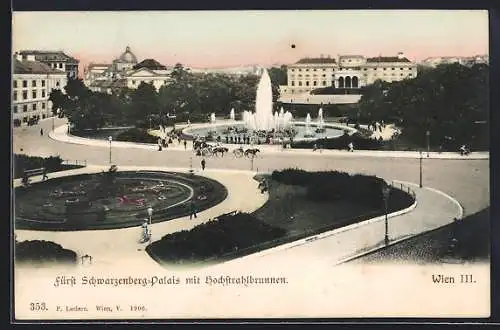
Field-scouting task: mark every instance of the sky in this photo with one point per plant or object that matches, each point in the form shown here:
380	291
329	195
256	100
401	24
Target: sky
214	39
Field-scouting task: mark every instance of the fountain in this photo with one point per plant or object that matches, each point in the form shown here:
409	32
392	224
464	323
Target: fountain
308	132
212	118
231	114
321	122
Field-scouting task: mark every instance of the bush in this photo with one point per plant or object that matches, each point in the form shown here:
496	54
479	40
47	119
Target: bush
139	135
227	233
341	142
43	251
333	185
24	162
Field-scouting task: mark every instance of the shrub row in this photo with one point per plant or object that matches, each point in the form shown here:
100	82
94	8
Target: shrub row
25	162
333	185
43	251
341	142
139	135
227	233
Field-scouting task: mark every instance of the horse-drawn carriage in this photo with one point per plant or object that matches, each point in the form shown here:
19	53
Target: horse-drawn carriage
204	149
250	152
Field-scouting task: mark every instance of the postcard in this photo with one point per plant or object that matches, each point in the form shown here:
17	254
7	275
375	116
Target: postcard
178	165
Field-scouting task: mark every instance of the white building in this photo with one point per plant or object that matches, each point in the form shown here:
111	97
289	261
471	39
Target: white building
32	83
56	60
346	72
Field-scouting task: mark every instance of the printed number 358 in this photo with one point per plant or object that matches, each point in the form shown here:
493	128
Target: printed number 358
38	306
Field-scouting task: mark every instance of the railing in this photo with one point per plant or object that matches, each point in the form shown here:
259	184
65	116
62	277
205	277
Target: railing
75	162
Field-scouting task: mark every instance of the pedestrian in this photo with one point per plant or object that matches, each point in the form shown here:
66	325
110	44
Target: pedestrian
192	210
203	163
44	176
185	145
351	146
41	131
315	146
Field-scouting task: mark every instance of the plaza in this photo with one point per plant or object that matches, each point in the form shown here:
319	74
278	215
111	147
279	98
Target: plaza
441	199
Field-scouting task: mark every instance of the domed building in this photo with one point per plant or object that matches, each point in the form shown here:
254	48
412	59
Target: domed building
125	62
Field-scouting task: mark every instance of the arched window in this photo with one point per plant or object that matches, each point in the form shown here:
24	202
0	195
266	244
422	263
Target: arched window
354	82
347	82
341	82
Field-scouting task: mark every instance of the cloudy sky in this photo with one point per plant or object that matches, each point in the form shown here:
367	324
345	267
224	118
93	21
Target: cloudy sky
233	38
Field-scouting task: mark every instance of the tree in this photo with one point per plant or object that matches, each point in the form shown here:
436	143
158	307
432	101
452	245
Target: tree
143	103
59	101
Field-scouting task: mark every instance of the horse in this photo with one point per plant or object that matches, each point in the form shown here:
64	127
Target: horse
220	150
251	152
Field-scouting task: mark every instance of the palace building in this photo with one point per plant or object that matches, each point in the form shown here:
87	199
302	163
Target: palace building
32	83
345	72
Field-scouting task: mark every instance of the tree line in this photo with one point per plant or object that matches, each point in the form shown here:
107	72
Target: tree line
189	97
450	101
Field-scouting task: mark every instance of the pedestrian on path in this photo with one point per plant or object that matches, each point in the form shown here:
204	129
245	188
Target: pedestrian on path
185	145
192	210
44	176
203	163
41	131
351	146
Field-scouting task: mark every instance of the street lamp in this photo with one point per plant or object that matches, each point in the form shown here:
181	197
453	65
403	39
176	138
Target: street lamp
420	181
150	214
427	135
386	190
110	138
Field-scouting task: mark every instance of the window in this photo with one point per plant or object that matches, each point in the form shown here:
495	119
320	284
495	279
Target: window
15	109
393	68
384	69
25	108
43	93
324	69
307	83
60	65
314	70
33	83
401	68
349	60
15	96
133	82
410	75
324	75
401	74
324	83
25	95
165	82
33	106
25	119
293	70
43	105
307	69
300	69
43	116
300	83
57	84
365	69
315	83
300	76
293	83
25	83
15	83
33	94
43	83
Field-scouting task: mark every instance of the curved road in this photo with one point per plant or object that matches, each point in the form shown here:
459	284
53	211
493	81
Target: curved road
467	180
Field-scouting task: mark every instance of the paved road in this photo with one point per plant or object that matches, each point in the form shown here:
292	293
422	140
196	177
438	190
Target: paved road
467	180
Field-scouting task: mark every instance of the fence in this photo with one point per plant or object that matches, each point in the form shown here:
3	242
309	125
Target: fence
75	162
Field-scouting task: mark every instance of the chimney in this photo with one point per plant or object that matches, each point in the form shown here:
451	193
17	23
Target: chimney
401	55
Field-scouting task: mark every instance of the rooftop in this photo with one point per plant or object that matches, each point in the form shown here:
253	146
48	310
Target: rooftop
317	60
385	59
149	64
25	67
49	56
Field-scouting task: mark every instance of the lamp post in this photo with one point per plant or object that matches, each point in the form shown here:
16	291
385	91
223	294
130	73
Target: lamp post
110	138
427	135
150	215
386	190
420	178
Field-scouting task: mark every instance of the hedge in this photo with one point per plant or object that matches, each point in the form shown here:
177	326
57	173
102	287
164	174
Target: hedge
25	162
342	142
43	251
227	233
139	135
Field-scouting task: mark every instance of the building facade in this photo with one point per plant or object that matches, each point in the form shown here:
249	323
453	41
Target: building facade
32	83
347	71
56	60
126	72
